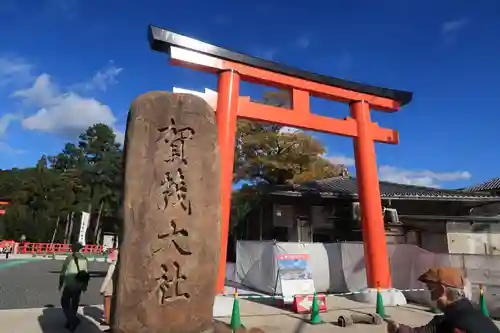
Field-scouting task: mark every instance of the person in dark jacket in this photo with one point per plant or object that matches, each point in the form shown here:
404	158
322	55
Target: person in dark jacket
73	280
446	285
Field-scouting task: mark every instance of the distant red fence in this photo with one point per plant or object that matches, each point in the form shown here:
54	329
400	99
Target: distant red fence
2	209
7	244
42	248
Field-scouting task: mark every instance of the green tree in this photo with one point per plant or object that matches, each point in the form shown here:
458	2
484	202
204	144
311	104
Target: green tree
71	158
84	176
103	171
277	155
32	211
267	155
87	175
103	163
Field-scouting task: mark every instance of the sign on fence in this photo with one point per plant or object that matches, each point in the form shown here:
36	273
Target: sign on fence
295	276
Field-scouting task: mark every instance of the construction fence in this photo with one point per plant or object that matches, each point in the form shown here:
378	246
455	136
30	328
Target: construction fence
339	268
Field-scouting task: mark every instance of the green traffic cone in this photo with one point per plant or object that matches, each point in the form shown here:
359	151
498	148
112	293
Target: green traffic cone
435	310
380	309
315	318
482	303
235	315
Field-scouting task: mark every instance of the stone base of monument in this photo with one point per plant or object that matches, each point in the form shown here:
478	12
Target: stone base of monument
389	296
223	306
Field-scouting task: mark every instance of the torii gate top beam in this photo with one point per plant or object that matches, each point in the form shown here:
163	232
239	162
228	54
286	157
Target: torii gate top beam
212	58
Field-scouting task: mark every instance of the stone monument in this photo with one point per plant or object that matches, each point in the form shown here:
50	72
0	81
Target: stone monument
170	240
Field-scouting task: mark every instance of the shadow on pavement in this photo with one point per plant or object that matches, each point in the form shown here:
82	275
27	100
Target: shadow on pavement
243	290
93	274
94	313
52	321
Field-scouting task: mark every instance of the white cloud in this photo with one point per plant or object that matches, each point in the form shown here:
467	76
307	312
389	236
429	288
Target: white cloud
14	71
421	178
289	130
7	149
120	136
66	114
404	176
41	93
5	121
61	112
451	29
103	78
340	159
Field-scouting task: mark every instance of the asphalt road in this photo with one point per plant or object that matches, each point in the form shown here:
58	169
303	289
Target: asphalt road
33	283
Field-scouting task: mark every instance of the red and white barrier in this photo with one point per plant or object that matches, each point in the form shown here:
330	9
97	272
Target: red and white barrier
48	248
303	303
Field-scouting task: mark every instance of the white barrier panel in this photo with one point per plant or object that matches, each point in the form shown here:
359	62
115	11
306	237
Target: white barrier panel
340	268
231	271
256	265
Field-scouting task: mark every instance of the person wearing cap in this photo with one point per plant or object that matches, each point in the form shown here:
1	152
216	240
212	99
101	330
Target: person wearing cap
446	286
72	284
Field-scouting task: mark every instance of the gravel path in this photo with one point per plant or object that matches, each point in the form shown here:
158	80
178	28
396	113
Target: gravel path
33	283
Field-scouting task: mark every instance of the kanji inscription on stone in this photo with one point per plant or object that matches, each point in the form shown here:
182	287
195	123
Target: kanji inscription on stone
173	186
170	244
175	138
176	237
170	283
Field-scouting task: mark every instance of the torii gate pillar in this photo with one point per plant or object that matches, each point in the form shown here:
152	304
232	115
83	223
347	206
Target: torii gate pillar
377	269
232	67
227	107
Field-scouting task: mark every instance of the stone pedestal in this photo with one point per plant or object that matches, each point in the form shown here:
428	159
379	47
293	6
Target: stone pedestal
170	238
390	297
223	306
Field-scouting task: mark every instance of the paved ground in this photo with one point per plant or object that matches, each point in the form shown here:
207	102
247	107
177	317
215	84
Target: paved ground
275	320
33	283
49	320
269	318
29	303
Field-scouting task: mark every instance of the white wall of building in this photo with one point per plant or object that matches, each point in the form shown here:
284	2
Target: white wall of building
474	243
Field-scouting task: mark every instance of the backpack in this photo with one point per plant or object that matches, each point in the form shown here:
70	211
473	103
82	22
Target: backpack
82	277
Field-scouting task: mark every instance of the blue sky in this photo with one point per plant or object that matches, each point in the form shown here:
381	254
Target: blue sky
67	64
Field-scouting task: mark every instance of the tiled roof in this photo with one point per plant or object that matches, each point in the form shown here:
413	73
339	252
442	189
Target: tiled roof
345	186
492	184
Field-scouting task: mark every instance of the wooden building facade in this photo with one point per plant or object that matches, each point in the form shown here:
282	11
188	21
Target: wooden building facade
328	211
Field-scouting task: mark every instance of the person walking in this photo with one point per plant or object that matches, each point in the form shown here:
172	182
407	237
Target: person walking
107	289
446	286
73	280
7	250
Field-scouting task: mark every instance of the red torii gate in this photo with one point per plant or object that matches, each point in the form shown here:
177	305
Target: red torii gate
232	67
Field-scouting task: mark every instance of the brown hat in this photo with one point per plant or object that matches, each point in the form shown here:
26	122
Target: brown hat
448	276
